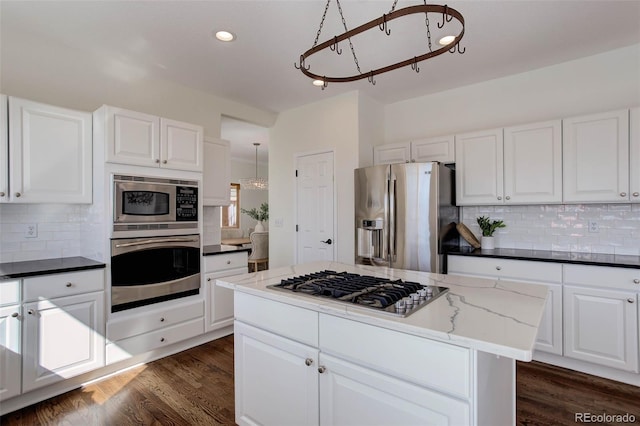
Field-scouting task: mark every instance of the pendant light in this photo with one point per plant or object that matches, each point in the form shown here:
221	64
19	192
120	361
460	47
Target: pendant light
254	183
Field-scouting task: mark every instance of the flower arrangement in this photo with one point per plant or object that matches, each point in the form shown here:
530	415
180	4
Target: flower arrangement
260	215
488	227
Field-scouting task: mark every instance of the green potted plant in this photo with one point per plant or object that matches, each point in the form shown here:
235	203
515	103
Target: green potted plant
488	227
260	215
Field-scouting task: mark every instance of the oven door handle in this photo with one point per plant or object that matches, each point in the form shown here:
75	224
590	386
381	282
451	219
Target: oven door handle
157	240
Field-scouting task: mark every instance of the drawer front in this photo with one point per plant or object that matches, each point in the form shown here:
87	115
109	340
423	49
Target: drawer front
296	323
9	292
65	284
603	276
220	262
506	268
153	319
407	357
127	348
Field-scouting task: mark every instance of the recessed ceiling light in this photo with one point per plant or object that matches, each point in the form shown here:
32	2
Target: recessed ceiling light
318	83
446	40
225	36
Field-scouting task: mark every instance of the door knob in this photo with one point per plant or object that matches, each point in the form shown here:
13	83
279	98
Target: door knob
327	242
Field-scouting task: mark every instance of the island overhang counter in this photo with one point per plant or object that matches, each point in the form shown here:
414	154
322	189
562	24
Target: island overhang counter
306	360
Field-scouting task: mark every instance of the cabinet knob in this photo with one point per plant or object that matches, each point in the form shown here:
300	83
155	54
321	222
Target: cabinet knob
162	319
1	194
308	361
630	300
68	284
162	339
507	197
15	315
228	262
636	281
209	279
499	198
321	369
499	268
18	194
164	161
31	312
636	194
158	160
623	194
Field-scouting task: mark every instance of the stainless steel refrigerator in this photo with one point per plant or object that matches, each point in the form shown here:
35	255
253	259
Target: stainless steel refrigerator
405	216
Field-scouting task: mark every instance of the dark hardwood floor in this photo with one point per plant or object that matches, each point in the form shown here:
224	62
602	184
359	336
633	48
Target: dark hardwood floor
195	387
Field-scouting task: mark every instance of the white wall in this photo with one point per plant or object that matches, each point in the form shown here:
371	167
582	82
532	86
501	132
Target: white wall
331	124
594	84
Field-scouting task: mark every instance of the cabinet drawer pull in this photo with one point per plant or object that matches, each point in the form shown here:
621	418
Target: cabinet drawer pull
322	369
68	284
31	312
15	315
623	194
308	361
162	339
499	268
630	300
636	281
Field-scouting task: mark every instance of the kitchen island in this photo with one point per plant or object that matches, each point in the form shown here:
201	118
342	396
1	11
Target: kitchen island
306	360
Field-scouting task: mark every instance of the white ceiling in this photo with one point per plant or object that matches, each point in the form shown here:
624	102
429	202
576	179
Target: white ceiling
172	40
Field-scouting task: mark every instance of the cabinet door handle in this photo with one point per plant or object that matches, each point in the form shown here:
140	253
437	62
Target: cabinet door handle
308	361
630	300
18	194
623	194
322	369
31	312
68	284
15	315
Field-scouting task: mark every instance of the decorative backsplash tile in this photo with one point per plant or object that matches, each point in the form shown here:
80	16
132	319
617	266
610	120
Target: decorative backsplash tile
563	227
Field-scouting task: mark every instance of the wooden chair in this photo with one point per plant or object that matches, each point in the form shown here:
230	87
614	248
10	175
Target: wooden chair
259	251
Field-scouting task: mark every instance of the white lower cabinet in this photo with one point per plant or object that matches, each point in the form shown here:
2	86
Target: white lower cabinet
286	376
10	348
550	274
219	311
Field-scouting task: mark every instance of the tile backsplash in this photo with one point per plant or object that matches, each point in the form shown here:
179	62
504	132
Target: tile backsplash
563	227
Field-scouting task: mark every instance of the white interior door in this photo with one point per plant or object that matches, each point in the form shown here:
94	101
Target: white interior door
315	239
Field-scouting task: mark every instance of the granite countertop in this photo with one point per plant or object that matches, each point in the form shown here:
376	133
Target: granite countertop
498	317
12	270
212	250
599	259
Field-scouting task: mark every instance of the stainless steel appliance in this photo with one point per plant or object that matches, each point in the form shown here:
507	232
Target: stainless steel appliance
145	203
151	270
396	297
405	215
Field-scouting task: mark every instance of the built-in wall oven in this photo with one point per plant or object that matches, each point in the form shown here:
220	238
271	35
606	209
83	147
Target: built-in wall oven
153	269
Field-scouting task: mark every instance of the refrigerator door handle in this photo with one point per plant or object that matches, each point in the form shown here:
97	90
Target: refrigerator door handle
392	220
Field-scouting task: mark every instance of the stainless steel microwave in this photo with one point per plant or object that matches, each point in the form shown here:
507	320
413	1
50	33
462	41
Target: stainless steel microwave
145	203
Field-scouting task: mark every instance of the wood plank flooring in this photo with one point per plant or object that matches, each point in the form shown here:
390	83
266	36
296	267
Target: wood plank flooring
195	387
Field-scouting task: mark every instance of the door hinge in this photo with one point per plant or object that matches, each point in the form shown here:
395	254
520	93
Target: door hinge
296	173
296	228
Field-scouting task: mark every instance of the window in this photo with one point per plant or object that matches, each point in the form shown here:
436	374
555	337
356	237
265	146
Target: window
231	213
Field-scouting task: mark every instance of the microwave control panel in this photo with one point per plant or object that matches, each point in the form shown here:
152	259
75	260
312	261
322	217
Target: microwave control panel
186	204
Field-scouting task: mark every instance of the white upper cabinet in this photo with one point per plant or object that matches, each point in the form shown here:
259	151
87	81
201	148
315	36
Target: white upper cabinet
596	157
50	157
140	139
4	149
634	154
392	153
423	150
533	163
217	172
479	168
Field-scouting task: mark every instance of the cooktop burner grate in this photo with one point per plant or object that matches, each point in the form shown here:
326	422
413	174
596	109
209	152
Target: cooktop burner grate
396	297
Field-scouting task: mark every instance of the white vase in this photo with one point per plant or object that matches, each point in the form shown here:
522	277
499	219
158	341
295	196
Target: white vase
259	227
487	243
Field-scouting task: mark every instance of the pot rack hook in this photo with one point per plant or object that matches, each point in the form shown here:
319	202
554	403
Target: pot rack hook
383	26
324	82
370	78
334	47
445	17
457	47
414	65
302	65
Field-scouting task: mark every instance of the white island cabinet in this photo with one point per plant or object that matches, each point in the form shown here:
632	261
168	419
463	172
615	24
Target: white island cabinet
306	361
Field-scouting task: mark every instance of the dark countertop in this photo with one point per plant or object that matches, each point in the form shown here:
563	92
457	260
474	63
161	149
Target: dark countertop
214	249
32	268
599	259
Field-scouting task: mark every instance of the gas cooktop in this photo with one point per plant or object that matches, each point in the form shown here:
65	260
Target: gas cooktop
396	297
